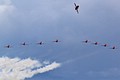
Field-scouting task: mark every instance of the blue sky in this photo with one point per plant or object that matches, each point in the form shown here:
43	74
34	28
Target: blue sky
32	21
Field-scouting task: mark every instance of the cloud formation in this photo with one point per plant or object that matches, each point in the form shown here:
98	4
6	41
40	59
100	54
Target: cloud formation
20	69
6	7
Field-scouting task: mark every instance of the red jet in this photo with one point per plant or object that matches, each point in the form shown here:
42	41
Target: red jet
56	41
105	45
96	43
113	47
8	46
76	7
40	43
24	44
86	41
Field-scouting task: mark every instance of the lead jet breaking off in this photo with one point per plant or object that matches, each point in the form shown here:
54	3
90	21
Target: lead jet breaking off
76	7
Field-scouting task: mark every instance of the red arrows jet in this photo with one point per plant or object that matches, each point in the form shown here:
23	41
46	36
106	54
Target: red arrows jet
24	44
113	47
86	41
76	7
105	45
56	41
8	46
96	43
40	43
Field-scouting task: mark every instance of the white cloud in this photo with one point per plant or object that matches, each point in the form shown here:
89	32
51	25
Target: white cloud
6	7
18	69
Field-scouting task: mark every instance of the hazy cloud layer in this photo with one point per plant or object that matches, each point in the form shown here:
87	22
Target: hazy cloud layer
20	69
112	72
6	7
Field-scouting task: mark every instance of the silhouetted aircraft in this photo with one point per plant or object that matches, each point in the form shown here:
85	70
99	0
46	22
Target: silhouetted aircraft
113	47
86	41
40	43
96	43
105	45
8	46
56	40
76	7
24	44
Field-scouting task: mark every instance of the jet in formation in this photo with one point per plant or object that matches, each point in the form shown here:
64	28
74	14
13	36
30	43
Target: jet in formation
86	41
7	46
105	45
56	41
24	44
96	43
113	47
40	43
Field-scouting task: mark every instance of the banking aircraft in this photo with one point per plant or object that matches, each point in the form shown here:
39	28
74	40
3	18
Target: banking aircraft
76	7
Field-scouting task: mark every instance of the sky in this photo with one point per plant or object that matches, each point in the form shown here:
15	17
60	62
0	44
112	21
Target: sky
32	21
